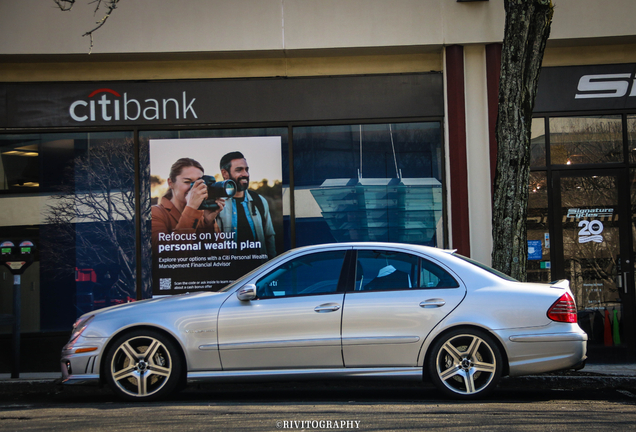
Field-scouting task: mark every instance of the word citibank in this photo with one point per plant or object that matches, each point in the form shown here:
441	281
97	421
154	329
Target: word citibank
109	108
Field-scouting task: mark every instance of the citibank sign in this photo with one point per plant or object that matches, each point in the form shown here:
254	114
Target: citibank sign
106	104
219	101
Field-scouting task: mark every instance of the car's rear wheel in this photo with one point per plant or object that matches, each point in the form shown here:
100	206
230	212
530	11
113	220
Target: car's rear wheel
143	365
465	364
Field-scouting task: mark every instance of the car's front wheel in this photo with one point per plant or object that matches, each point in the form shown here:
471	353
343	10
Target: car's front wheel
465	364
143	365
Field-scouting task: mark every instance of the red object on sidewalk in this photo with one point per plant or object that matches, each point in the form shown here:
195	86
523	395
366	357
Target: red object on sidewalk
607	337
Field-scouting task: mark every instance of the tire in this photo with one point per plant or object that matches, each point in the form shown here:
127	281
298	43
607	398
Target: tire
143	365
465	364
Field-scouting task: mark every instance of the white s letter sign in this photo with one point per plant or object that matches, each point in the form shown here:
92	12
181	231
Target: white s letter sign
603	86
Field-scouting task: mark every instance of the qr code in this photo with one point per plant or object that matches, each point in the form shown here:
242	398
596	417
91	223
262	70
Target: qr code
165	283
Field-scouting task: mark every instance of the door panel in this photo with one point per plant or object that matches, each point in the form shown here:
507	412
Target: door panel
281	332
293	323
397	301
595	249
388	328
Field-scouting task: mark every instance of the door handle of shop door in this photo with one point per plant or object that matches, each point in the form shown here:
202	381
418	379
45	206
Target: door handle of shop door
625	282
327	307
433	303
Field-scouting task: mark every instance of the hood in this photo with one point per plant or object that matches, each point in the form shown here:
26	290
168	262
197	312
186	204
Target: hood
162	312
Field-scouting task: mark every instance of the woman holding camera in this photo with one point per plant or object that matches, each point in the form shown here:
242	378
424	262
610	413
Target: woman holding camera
178	211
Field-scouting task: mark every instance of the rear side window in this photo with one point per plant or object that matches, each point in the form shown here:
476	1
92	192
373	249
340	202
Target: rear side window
306	275
385	270
433	276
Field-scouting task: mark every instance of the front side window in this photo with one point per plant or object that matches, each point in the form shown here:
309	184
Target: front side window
312	274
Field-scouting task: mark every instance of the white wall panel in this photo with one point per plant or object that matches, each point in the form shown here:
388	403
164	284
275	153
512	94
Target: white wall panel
478	154
160	26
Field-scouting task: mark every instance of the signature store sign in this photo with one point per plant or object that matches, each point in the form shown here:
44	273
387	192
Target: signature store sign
591	226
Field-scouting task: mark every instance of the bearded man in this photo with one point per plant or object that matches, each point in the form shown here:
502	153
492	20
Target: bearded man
247	213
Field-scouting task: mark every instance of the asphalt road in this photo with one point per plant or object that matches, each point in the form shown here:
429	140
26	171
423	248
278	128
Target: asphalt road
318	406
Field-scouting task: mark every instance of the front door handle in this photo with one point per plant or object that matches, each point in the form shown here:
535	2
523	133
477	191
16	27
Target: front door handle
327	307
433	303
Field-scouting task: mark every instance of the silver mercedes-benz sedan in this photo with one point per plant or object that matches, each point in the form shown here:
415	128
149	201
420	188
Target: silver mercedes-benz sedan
335	311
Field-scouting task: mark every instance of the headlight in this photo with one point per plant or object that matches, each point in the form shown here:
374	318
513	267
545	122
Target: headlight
79	326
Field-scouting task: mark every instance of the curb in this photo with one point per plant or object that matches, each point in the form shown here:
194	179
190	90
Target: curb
561	382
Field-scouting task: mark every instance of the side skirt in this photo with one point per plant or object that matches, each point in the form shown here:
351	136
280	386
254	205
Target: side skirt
397	373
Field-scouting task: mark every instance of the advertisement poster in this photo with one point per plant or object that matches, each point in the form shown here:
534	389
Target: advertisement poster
217	210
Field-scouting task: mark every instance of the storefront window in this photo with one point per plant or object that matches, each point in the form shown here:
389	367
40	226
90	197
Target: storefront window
586	140
368	183
539	264
268	178
590	223
537	143
81	221
631	137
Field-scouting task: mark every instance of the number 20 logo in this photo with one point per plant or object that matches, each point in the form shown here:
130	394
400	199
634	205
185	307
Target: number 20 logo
591	231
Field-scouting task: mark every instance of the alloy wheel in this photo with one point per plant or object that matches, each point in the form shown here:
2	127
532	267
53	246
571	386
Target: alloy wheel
466	364
141	366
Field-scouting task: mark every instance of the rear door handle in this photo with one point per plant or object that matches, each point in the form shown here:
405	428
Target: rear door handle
327	307
433	303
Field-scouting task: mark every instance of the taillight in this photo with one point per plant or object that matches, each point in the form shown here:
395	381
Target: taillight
563	310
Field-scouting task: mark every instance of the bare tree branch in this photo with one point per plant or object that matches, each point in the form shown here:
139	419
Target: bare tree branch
65	5
108	5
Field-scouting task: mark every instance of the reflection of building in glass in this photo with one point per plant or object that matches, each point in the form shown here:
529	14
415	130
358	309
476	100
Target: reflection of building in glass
398	210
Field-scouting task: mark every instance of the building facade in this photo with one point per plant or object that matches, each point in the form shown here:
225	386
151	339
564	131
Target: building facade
382	100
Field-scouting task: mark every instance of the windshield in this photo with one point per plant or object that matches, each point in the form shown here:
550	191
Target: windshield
485	267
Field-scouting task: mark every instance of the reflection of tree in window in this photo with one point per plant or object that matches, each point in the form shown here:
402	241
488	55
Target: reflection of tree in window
93	215
594	139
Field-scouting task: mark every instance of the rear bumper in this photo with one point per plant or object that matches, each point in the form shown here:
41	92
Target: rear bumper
546	352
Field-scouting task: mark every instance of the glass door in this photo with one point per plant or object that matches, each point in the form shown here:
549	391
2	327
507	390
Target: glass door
592	250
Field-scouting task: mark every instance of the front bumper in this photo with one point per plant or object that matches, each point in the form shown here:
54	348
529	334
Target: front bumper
81	367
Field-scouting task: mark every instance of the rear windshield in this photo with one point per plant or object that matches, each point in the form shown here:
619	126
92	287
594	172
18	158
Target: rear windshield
485	267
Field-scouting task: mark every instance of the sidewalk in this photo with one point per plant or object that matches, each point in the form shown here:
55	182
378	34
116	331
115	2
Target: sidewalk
31	377
620	369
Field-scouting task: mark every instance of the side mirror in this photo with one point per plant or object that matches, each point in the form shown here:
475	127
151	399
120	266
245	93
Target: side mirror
246	292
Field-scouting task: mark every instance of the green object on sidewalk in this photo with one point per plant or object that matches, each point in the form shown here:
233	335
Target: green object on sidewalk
615	334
